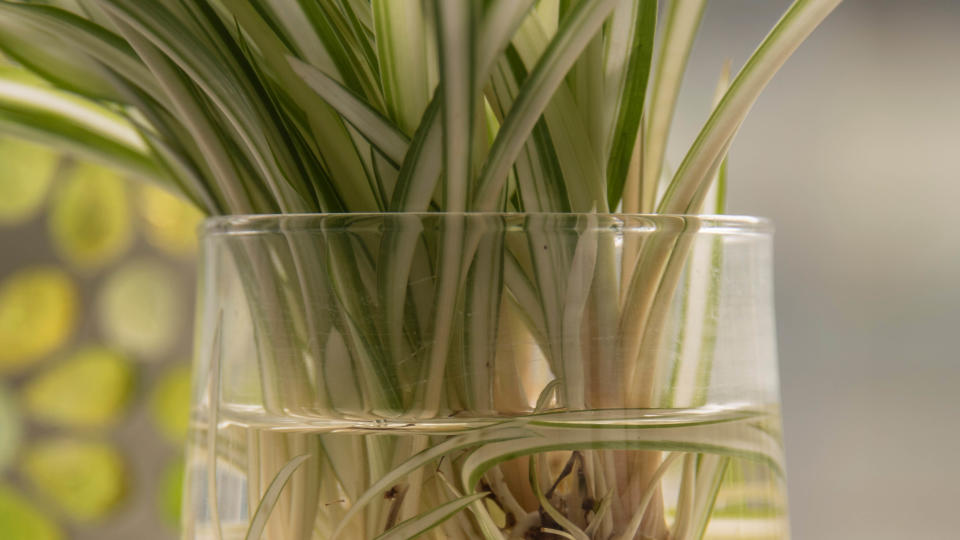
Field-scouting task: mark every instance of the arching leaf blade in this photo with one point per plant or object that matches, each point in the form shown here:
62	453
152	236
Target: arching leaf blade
687	189
422	523
381	133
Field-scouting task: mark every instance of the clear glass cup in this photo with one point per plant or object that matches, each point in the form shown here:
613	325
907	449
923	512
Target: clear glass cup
485	376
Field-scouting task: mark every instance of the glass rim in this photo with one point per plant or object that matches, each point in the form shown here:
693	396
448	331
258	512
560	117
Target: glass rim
252	224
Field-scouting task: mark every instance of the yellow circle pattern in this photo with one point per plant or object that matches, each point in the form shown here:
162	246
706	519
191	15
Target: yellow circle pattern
89	219
38	310
24	178
138	307
72	388
82	479
22	520
169	224
170	403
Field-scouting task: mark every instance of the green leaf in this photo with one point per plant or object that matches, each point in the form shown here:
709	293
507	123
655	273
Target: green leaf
45	55
456	37
576	31
679	32
381	133
361	11
215	63
197	121
423	164
101	48
542	187
35	111
329	139
717	195
334	45
628	65
401	34
688	187
422	523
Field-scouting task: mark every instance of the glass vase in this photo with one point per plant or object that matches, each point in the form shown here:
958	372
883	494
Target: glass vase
485	376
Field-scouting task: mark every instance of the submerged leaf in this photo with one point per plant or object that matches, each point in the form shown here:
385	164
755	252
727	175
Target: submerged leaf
422	523
259	520
484	437
731	438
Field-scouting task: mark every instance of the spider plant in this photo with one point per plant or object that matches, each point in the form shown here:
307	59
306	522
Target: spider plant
412	106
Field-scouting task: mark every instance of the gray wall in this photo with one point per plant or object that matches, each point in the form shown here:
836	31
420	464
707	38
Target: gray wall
853	153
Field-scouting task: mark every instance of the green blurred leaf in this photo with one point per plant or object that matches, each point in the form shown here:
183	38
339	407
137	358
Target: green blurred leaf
42	52
31	108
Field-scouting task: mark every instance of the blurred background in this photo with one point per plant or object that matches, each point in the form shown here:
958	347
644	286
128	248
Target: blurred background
96	285
851	151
